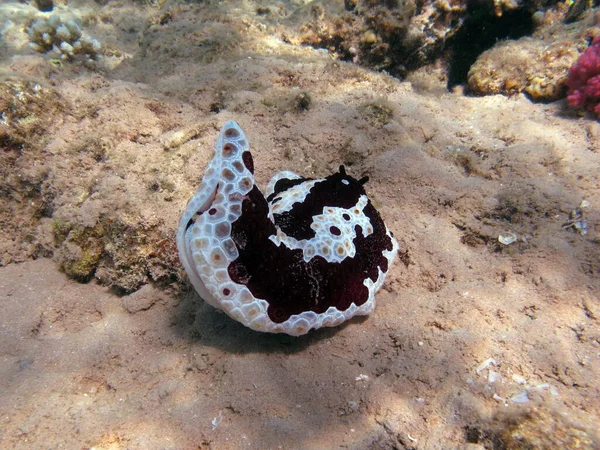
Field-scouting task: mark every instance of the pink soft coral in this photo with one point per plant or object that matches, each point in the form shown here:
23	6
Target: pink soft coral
584	79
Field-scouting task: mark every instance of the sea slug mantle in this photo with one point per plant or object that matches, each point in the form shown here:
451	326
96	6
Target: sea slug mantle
307	254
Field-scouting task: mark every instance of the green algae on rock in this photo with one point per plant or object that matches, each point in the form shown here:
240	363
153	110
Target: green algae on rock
119	253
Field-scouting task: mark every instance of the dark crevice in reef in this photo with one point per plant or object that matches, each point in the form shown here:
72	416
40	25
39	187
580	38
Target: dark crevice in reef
481	30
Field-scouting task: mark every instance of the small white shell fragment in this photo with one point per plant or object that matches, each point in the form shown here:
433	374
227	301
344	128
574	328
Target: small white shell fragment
216	421
362	377
493	376
410	438
582	227
577	220
518	379
549	387
508	239
521	397
484	365
498	398
180	137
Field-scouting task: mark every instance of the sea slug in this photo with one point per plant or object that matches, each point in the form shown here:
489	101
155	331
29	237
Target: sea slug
308	253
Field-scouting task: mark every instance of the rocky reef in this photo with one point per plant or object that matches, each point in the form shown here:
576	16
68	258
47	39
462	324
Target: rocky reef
500	47
536	65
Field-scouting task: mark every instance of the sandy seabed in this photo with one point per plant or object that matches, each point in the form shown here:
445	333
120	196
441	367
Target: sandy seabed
474	344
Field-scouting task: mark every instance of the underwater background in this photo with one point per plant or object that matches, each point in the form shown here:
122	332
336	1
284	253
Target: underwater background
477	125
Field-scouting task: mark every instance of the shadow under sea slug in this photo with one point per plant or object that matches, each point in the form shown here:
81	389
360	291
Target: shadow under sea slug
309	253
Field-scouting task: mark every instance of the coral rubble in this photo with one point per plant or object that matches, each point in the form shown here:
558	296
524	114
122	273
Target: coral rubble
67	38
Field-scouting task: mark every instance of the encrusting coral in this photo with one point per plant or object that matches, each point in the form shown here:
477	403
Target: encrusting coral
67	38
528	65
584	80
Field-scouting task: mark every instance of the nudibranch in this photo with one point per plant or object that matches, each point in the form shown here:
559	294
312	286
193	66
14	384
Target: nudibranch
308	253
